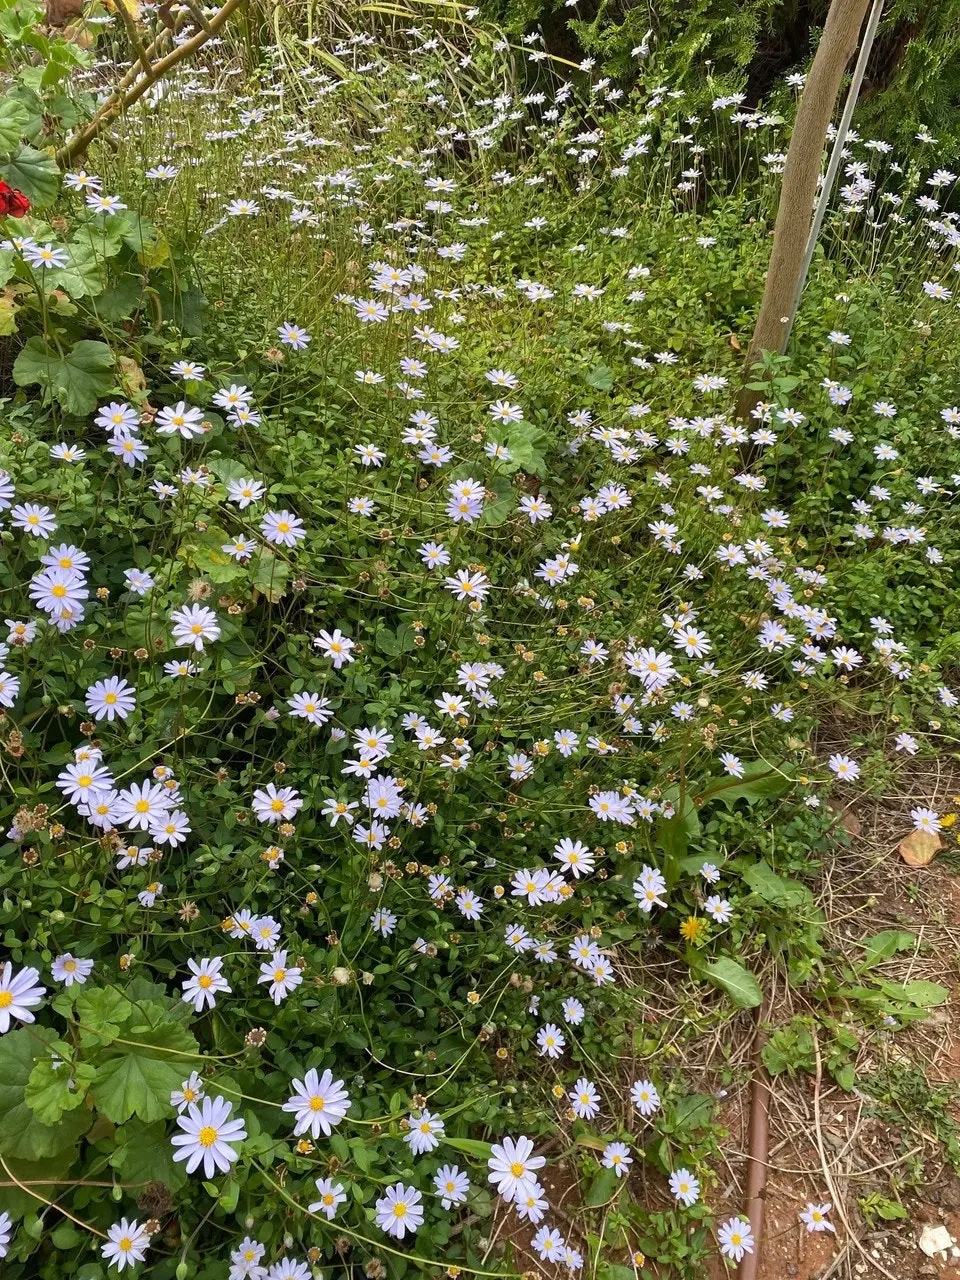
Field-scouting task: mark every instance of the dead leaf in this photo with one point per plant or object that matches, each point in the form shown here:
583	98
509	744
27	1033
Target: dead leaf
735	342
919	848
847	819
132	378
850	823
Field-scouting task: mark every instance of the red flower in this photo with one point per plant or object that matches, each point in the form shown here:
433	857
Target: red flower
13	203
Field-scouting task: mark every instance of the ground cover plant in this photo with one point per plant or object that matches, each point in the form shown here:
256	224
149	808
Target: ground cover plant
413	671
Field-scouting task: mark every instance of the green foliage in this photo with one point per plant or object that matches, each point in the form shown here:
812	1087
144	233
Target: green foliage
405	998
77	378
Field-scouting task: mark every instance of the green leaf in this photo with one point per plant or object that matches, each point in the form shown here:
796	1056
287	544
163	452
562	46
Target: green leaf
155	251
770	887
270	575
924	994
184	307
101	1011
208	557
845	1076
692	1111
34	173
139	1079
602	1189
601	377
139	233
143	1154
77	379
119	301
55	1087
790	1048
470	1147
759	782
33	1173
22	1135
739	984
495	512
13	120
881	946
85	273
131	1085
673	835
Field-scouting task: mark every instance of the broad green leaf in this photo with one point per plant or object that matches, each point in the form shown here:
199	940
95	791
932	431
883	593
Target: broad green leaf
673	835
55	1087
101	1012
33	1173
139	233
143	1154
77	379
155	1056
498	510
216	564
36	109
7	268
926	995
85	273
13	120
22	1135
119	301
133	1085
770	887
184	307
270	575
34	173
155	251
602	1189
470	1147
881	946
739	984
845	1076
601	377
759	782
692	1111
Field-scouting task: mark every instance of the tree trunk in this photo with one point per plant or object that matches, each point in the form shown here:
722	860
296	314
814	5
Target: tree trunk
799	188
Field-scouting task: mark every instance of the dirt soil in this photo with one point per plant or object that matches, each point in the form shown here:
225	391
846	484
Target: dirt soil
825	1144
868	887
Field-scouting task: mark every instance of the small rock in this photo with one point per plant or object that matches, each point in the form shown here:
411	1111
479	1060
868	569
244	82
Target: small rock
935	1239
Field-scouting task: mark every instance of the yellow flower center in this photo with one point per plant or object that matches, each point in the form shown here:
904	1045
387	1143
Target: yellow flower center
317	1103
207	1136
205	981
125	1244
6	999
400	1209
517	1169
